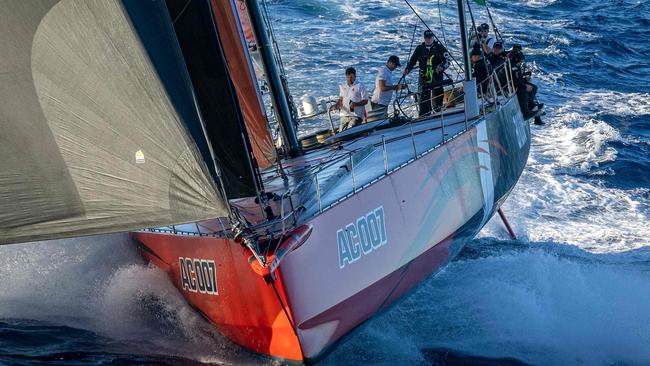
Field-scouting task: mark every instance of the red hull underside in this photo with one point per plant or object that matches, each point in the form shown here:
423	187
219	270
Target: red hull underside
247	310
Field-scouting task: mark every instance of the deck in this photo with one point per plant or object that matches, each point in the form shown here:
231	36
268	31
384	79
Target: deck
345	164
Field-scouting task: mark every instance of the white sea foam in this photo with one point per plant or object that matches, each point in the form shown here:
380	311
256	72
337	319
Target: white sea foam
612	102
575	146
556	201
537	304
528	303
570	211
54	279
101	284
550	49
539	3
558	39
558	198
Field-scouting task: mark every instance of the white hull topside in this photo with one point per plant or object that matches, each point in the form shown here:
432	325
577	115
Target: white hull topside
367	246
449	192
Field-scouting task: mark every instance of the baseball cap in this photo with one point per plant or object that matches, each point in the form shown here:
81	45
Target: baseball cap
394	59
498	45
484	26
428	33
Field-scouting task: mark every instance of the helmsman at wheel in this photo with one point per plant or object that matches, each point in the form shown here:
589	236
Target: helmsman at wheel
433	58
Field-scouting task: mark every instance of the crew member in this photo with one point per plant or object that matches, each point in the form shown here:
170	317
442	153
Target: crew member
352	100
497	57
526	90
384	86
483	39
481	69
433	59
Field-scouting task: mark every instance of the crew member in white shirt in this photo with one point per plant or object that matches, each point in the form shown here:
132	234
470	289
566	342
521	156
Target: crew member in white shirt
352	100
384	86
483	39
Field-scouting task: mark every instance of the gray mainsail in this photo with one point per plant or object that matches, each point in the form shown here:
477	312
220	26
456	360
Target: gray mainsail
93	139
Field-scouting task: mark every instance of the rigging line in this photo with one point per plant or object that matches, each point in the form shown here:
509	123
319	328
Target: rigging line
284	308
403	78
426	25
269	25
485	60
398	97
442	28
259	146
399	92
496	30
270	248
182	11
444	38
415	29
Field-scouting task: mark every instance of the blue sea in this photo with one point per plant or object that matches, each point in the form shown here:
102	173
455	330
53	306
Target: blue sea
573	289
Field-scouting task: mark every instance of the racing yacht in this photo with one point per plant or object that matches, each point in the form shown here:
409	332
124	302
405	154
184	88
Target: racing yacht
125	115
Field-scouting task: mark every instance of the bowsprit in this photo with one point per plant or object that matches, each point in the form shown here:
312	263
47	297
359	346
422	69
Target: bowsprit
364	235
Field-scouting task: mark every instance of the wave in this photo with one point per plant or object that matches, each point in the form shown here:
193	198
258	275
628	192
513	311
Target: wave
573	145
558	199
536	302
99	285
613	102
573	289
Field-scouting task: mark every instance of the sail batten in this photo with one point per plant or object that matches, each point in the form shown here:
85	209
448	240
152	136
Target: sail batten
95	136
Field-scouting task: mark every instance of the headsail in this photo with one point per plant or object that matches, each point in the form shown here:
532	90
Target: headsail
241	71
96	136
216	92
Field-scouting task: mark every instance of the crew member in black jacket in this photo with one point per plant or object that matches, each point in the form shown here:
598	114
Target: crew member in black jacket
526	90
481	70
433	59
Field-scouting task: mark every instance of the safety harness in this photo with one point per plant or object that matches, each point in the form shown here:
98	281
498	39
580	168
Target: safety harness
429	72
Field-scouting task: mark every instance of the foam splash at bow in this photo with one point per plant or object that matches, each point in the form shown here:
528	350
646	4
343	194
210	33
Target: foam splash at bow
100	284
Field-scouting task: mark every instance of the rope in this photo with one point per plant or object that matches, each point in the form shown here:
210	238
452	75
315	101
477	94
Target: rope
293	326
181	12
271	31
399	92
415	29
494	26
442	28
434	35
485	61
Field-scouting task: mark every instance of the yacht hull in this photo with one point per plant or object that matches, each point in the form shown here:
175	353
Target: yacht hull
362	254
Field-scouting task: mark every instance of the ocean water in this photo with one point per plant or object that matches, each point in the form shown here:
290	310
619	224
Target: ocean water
573	289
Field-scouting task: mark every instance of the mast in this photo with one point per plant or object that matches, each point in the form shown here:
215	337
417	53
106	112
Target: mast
282	111
463	37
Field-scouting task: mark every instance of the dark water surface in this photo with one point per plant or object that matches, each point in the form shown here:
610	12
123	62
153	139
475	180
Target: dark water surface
574	289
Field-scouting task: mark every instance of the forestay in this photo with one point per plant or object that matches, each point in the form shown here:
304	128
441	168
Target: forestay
98	124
